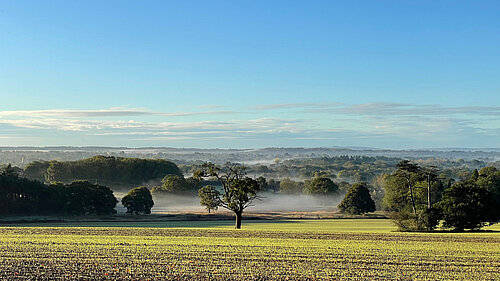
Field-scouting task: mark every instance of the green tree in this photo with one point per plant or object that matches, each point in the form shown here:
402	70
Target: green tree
407	195
20	195
263	183
357	200
321	185
489	179
209	197
466	205
138	200
237	193
36	170
408	170
289	186
84	198
273	185
9	171
177	184
114	171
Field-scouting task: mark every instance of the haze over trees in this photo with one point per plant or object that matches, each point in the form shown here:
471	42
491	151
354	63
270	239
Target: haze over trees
321	186
289	186
416	194
177	184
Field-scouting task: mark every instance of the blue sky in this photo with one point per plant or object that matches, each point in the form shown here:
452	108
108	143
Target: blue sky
234	74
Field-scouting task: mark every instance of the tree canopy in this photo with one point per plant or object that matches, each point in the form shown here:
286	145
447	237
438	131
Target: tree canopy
23	196
111	170
321	185
289	186
408	194
84	198
177	184
466	205
138	200
357	200
237	193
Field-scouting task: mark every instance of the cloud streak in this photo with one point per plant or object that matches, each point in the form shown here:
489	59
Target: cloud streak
383	109
305	124
111	112
300	106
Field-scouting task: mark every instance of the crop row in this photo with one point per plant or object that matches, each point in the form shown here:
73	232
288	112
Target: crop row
197	254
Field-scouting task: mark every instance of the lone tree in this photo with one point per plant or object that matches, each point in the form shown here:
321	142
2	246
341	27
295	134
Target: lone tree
138	200
357	200
237	193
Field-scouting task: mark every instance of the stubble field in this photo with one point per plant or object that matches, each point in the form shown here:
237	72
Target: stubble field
276	250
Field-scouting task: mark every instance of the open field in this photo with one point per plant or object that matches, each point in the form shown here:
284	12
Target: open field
264	250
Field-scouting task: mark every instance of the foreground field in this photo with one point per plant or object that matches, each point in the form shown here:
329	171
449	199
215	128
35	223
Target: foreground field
280	250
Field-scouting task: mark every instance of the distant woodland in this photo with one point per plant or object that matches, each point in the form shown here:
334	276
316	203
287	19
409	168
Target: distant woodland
416	194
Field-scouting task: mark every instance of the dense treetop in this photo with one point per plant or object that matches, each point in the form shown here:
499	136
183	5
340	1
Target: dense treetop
110	170
138	200
357	200
24	196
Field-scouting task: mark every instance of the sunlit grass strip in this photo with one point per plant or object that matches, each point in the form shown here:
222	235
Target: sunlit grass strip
253	254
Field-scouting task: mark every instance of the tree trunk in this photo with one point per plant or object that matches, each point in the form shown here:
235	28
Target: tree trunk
429	204
412	199
239	217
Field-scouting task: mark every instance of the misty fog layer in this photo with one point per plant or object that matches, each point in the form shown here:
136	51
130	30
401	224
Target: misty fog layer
270	202
275	202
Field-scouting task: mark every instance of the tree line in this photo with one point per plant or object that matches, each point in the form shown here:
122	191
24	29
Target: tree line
109	170
415	197
28	197
418	198
22	196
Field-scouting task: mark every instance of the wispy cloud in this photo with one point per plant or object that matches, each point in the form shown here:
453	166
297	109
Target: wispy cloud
399	109
111	112
369	124
295	106
384	109
213	106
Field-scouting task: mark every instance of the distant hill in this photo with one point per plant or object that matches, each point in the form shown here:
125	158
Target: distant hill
21	156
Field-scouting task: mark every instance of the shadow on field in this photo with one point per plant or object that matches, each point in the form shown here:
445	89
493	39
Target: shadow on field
145	221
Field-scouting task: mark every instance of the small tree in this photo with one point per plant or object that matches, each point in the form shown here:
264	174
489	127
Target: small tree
209	197
138	200
357	200
238	191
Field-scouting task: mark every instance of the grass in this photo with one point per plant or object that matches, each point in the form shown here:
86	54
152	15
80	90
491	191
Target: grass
342	249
